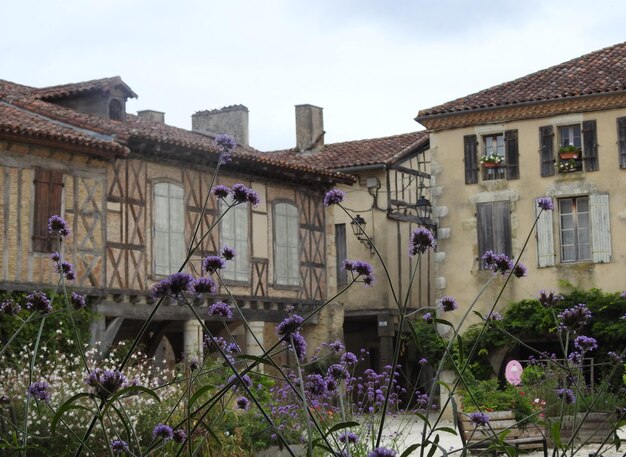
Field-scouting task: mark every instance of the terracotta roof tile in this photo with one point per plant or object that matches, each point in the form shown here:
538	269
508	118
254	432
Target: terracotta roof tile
599	72
385	150
65	90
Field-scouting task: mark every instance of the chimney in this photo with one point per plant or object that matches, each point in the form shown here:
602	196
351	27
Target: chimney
232	120
152	115
309	128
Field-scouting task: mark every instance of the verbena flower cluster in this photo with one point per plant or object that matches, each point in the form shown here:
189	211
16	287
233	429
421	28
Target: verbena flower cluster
225	145
58	226
479	419
360	270
334	197
572	319
421	240
105	382
501	263
239	194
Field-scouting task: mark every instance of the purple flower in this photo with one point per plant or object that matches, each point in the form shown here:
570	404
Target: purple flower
585	343
105	382
349	358
348	437
228	253
519	270
333	197
489	257
447	304
479	419
55	257
315	385
242	403
221	191
382	452
421	240
615	356
194	363
58	226
337	346
545	203
253	198
213	263
347	265
240	193
78	301
428	318
163	431
66	269
179	436
204	286
180	282
10	308
549	299
494	316
363	268
161	288
567	394
225	145
39	391
236	381
502	264
337	371
573	318
423	361
38	301
220	309
298	345
289	325
119	446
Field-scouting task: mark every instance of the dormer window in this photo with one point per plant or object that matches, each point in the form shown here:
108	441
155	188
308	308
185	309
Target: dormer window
116	111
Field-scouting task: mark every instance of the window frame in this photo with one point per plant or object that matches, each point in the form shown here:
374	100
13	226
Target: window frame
509	168
578	217
173	262
238	271
295	281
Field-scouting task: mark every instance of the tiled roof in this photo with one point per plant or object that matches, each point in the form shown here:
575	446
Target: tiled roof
65	90
46	120
386	150
599	72
17	122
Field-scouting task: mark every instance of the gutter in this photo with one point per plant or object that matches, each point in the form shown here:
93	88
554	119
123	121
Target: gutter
378	166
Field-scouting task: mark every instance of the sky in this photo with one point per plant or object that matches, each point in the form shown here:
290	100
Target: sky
372	65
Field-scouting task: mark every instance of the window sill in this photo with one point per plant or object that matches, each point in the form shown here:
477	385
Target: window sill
286	287
236	283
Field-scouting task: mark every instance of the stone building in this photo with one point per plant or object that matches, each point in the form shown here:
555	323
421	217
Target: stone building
558	133
390	198
134	190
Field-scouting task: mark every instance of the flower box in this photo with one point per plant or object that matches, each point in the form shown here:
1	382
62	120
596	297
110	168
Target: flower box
569	152
595	427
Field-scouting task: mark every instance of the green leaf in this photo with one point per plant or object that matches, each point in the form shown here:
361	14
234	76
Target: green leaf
198	393
410	449
67	406
555	432
341	426
445	429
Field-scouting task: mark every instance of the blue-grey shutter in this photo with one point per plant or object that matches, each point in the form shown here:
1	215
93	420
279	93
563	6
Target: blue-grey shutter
545	238
342	253
512	154
600	228
621	141
471	159
546	141
590	146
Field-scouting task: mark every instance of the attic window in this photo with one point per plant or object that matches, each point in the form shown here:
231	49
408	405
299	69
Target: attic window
116	112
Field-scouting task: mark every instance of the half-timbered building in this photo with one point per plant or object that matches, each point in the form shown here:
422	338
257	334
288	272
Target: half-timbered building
135	191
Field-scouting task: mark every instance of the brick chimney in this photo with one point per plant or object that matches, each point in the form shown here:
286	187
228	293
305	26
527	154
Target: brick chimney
232	120
309	128
152	115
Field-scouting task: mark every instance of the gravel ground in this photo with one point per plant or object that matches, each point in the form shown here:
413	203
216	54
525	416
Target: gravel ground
411	429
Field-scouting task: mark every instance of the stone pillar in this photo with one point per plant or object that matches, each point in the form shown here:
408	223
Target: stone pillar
192	338
252	347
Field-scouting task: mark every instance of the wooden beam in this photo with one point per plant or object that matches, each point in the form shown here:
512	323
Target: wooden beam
410	171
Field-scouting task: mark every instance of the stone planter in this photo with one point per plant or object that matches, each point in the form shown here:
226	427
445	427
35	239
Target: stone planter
595	428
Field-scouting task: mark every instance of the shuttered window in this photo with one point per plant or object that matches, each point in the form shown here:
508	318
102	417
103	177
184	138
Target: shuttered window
493	222
512	154
234	232
169	228
470	158
590	146
342	253
48	199
584	231
286	245
621	141
546	140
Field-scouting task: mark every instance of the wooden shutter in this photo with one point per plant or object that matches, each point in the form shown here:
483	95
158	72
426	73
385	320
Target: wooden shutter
286	244
234	232
169	228
590	146
471	159
546	141
621	141
177	227
545	237
600	228
48	199
493	224
512	154
342	253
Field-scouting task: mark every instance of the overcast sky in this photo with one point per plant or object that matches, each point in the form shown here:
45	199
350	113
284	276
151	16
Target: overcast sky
370	64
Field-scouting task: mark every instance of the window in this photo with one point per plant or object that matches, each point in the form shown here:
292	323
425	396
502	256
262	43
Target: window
48	199
493	221
574	218
621	141
584	232
503	145
169	228
342	253
234	232
116	112
577	148
286	245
